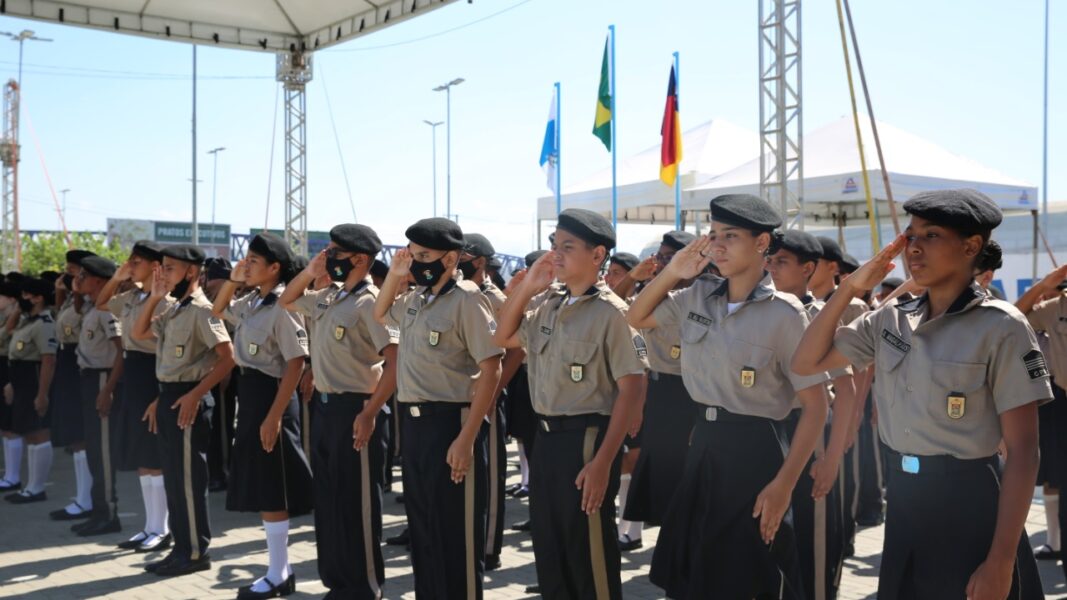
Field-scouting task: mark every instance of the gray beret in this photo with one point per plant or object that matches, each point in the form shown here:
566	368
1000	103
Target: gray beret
75	256
185	252
356	238
436	233
36	286
802	244
625	260
98	266
678	239
848	264
532	257
477	245
964	210
745	210
147	249
379	269
588	226
217	268
830	249
892	282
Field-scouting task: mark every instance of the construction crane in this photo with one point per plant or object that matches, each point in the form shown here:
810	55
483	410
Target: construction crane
781	117
10	244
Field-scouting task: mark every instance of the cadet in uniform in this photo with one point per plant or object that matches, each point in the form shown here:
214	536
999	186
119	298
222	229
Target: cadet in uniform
67	422
724	535
587	373
816	499
270	473
216	273
100	361
141	447
447	373
193	353
354	359
955	521
473	264
31	364
9	311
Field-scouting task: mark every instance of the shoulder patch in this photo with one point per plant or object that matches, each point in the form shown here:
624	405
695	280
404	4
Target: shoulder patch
300	333
1035	364
216	324
895	341
640	346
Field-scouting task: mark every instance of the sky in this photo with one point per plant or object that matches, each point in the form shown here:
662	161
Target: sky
110	115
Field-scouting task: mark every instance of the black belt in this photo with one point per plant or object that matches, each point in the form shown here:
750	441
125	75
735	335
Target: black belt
426	409
718	414
572	422
324	397
95	370
938	465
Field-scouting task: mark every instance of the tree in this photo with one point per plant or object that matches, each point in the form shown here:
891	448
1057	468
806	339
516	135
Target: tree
47	251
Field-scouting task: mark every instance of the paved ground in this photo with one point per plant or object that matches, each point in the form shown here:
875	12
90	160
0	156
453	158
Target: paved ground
42	559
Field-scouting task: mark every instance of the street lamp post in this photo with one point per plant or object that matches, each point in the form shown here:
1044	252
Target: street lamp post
64	192
214	185
447	89
21	38
433	127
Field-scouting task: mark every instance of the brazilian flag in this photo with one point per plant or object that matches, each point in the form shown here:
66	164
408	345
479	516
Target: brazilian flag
604	103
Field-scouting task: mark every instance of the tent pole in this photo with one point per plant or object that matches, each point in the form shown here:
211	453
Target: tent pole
1034	213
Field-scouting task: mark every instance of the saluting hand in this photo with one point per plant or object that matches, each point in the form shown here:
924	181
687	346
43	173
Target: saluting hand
515	281
593	481
541	274
401	263
1053	279
125	271
159	284
150	417
317	267
187	406
460	456
239	274
645	270
771	505
872	272
363	429
269	432
690	262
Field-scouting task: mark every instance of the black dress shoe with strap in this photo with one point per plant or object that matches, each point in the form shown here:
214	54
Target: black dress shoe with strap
135	541
154	543
284	588
63	515
24	497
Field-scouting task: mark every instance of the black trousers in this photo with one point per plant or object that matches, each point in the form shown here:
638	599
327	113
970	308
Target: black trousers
348	499
185	471
65	402
869	501
100	443
223	429
446	520
498	472
577	554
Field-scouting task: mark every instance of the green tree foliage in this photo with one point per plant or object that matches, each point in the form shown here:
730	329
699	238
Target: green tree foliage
47	251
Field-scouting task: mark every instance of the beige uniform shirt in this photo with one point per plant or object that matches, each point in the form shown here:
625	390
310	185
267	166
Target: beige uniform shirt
127	306
494	295
740	360
942	384
577	348
812	306
33	337
5	337
186	336
69	322
95	347
266	336
1050	316
346	351
442	340
664	349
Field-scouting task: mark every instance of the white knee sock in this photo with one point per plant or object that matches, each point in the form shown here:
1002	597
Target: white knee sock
13	460
1052	520
149	506
524	466
40	467
159	501
626	527
278	549
83	484
31	453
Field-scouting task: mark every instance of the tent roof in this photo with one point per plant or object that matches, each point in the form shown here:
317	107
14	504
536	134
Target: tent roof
709	149
832	172
271	25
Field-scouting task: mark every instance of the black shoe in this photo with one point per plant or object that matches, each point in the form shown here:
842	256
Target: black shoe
403	539
533	589
511	489
166	560
522	492
399	498
100	527
276	591
521	526
871	520
134	542
626	545
63	515
7	486
154	543
1045	552
79	526
850	550
24	498
180	566
218	485
492	562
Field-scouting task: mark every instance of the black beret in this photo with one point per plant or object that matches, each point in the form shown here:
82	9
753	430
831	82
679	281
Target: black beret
495	263
991	258
15	276
436	233
625	260
379	269
217	267
745	210
892	282
678	239
588	226
148	249
848	264
35	286
356	238
830	249
185	253
965	210
49	276
801	243
532	257
273	248
75	257
98	266
9	289
477	245
300	262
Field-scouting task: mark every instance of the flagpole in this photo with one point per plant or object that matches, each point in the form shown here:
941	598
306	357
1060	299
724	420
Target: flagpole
614	139
677	167
559	152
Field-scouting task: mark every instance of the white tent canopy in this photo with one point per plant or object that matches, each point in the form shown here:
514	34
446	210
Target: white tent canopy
833	179
270	25
708	149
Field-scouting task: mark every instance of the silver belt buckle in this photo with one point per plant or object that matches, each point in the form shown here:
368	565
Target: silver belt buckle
545	426
414	411
711	414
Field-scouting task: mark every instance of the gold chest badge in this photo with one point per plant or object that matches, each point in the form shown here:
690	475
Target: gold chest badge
435	338
676	352
89	334
68	330
339	333
577	373
253	349
19	345
957	405
179	351
748	377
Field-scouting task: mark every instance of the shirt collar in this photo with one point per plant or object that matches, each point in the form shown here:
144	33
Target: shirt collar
971	296
764	289
448	287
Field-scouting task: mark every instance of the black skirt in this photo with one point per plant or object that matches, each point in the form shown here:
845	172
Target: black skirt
138	447
5	408
521	418
25	375
261	481
709	545
67	422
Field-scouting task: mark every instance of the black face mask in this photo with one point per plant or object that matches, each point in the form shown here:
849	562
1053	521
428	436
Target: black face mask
68	282
427	273
180	289
339	268
25	305
468	269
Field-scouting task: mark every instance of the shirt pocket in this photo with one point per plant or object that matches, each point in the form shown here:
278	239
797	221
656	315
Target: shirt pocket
176	343
253	342
751	364
439	332
577	359
958	391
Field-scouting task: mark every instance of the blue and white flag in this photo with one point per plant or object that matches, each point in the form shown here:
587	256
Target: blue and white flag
550	147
